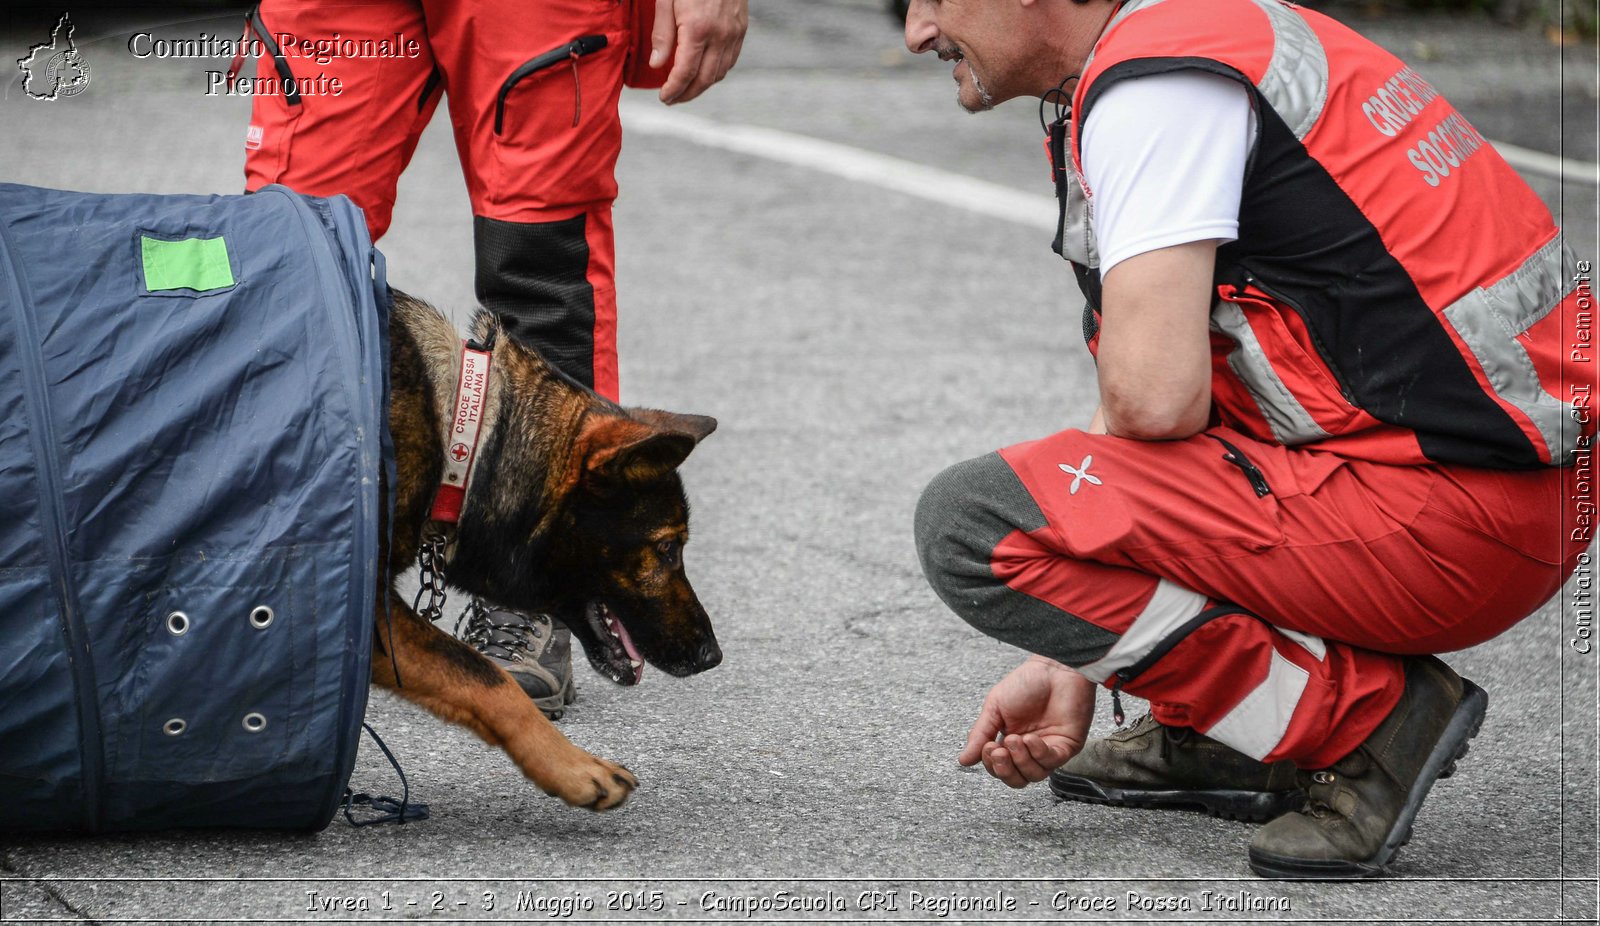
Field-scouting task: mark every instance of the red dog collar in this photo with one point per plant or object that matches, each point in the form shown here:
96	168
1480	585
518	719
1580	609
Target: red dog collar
461	447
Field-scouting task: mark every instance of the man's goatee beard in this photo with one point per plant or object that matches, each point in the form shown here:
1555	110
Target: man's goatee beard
985	101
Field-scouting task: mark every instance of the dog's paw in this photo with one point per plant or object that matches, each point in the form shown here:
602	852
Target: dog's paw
592	782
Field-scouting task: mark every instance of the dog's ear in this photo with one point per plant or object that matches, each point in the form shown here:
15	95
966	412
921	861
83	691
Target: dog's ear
697	426
638	448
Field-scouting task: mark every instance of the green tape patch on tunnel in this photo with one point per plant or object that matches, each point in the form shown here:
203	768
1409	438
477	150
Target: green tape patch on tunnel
200	264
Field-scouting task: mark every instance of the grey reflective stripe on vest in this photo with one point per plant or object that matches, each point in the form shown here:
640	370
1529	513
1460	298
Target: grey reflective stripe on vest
1489	320
1295	84
1296	81
1077	232
1077	238
1290	422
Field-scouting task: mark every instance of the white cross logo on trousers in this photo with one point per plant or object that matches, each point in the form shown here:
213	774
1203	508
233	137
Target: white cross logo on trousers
1080	474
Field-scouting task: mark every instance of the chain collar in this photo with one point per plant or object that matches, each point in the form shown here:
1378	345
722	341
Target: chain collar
430	568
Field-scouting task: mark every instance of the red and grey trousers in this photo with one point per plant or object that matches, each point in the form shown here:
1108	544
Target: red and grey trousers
532	89
1260	594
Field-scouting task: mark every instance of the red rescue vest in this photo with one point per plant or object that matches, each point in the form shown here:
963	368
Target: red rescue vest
1397	293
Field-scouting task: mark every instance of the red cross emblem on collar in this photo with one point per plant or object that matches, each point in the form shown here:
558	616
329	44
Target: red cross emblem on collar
471	398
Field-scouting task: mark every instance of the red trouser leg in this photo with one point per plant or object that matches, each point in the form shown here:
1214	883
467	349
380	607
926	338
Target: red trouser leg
538	134
355	141
1106	553
538	146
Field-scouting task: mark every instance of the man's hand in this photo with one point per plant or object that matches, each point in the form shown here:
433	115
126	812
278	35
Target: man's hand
707	36
1044	709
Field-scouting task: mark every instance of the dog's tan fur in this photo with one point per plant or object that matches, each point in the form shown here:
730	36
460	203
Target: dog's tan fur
547	450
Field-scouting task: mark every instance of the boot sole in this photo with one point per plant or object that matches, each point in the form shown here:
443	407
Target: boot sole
552	706
1452	745
1249	806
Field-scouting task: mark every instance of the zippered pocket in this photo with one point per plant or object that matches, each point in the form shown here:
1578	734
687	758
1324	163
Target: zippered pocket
274	117
1258	480
570	52
1277	370
1314	347
255	25
1122	677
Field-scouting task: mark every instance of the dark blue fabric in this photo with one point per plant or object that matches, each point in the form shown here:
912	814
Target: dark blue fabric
199	452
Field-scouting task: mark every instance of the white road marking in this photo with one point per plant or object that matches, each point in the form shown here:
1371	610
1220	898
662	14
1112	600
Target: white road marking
942	186
1547	165
881	170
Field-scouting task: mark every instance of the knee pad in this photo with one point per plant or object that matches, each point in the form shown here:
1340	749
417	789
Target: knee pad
964	514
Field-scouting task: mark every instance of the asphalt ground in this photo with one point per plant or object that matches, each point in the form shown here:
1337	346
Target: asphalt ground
853	340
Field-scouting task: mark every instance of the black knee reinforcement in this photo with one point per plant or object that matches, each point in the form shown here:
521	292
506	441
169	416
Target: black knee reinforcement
535	277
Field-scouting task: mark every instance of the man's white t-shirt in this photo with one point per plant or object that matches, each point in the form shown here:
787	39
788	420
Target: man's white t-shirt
1164	159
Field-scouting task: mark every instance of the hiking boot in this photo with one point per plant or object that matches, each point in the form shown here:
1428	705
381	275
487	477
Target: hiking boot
1358	812
1152	765
532	647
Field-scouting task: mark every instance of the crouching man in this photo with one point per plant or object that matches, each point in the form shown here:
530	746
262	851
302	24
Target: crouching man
1335	433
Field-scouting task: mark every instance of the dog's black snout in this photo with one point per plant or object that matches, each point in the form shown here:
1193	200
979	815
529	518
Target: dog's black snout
710	656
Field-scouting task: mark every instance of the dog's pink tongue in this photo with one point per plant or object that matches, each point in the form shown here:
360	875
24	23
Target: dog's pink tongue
630	649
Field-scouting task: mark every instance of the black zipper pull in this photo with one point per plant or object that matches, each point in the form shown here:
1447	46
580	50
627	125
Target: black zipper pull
1231	454
1116	699
1258	482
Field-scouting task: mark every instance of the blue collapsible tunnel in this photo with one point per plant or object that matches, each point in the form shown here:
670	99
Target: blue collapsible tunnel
190	459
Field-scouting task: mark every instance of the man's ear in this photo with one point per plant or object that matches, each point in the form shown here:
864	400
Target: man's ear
638	448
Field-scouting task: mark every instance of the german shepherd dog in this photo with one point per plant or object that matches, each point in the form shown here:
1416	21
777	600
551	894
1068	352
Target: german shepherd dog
574	509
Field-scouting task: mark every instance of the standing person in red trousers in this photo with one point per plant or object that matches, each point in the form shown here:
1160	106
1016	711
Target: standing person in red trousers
533	88
1338	431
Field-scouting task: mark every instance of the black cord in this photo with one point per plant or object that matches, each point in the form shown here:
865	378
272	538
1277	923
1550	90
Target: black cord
1062	100
393	811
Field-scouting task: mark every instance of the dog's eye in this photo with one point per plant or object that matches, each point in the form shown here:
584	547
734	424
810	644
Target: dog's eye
670	550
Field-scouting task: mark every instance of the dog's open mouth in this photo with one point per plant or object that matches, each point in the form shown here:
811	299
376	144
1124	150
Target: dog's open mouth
617	658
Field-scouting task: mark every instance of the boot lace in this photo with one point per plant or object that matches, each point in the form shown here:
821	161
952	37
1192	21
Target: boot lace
502	634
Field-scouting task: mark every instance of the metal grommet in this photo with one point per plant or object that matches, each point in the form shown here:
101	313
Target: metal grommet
177	623
175	726
254	722
261	617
